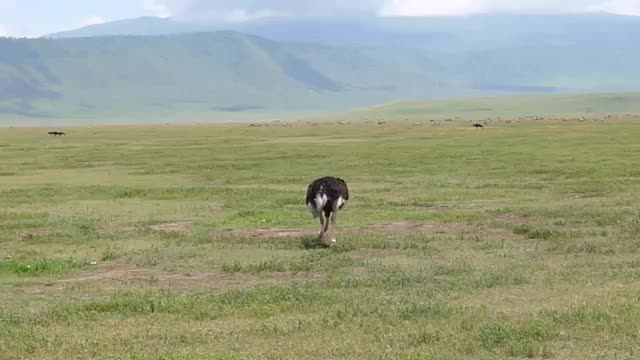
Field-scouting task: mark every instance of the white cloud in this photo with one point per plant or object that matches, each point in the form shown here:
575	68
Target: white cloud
240	15
4	32
157	8
622	7
464	7
430	7
93	20
245	10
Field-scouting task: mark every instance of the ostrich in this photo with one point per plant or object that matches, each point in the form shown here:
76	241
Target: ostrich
325	197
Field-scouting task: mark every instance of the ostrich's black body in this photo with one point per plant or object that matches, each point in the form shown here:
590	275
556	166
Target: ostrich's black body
327	195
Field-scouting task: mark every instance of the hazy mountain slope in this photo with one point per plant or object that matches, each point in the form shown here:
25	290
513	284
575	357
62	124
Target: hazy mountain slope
199	73
196	75
143	26
459	33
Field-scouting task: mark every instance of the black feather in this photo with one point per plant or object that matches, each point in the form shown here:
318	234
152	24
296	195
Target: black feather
331	187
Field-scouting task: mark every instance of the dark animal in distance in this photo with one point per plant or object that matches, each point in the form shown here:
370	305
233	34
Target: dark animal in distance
57	133
478	126
325	196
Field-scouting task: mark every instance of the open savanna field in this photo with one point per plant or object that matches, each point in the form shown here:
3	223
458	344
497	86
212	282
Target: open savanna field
193	242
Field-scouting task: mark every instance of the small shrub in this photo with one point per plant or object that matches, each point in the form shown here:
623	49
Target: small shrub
523	229
234	267
109	254
532	233
543	234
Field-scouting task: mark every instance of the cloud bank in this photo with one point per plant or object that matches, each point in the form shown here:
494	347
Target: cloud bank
93	20
240	10
158	8
253	9
4	31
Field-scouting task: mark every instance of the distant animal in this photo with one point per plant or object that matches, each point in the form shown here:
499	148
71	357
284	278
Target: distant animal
478	126
57	133
325	196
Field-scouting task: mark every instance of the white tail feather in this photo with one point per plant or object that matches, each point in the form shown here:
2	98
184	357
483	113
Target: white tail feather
320	203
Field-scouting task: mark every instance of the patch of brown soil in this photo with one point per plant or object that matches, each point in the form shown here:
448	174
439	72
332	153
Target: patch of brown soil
394	228
112	279
272	233
405	228
176	227
581	195
119	230
130	273
512	219
31	234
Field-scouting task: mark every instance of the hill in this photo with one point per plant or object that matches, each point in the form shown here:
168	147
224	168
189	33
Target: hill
195	76
142	26
484	31
230	75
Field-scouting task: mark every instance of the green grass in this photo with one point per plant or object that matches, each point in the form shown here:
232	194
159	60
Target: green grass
37	267
519	241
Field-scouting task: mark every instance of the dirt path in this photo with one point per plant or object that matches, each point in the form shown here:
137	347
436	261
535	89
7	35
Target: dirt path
394	228
119	277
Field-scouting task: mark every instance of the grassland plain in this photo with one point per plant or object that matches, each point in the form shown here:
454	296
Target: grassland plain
556	105
561	106
193	242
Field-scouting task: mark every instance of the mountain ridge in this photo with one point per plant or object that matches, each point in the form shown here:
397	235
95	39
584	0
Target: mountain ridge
204	74
368	30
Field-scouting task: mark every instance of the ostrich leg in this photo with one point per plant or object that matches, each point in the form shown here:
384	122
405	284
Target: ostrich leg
322	221
332	231
326	227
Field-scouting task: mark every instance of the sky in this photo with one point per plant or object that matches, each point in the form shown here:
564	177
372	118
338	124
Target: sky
34	18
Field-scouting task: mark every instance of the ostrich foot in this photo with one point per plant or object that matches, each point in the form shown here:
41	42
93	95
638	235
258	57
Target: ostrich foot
325	241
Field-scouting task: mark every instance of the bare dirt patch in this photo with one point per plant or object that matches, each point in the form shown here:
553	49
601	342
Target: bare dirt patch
513	219
394	228
128	273
272	233
112	279
405	228
31	234
119	230
173	228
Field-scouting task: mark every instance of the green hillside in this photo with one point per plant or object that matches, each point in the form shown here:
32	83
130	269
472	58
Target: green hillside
474	32
224	76
196	76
